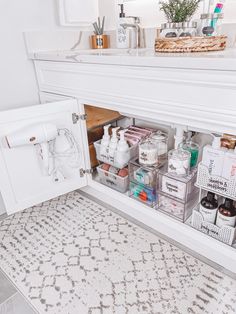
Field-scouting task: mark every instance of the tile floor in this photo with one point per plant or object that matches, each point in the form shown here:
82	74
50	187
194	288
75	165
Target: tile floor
11	301
73	256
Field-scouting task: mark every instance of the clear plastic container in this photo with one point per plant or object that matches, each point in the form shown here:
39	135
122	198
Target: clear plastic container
181	188
189	29
119	160
143	193
161	140
148	153
169	30
193	148
113	180
179	162
211	24
145	175
175	208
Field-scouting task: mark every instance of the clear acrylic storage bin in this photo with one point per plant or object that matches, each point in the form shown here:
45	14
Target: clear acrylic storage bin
120	159
175	208
177	195
143	194
182	188
113	180
146	175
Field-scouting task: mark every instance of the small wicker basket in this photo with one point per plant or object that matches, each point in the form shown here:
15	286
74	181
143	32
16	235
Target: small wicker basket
191	44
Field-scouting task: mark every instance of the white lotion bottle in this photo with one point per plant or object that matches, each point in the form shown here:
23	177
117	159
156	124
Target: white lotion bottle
229	168
122	34
123	151
213	156
105	142
113	144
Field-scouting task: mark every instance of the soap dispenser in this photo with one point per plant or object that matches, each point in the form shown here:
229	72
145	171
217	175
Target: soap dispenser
113	144
123	151
122	34
105	141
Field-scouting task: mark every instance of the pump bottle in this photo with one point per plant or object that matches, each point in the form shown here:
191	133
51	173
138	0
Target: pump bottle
113	144
123	151
122	35
105	141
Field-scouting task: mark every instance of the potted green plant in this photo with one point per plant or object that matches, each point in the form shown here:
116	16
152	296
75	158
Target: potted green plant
178	11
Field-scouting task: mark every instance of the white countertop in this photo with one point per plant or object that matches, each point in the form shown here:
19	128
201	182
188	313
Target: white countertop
222	60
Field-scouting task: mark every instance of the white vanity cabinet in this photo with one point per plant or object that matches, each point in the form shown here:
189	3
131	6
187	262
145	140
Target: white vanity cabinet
194	98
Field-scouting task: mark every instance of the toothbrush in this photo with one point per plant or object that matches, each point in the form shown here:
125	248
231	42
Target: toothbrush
218	9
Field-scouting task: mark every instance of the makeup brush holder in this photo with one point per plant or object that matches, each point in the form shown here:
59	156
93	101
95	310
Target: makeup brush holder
99	41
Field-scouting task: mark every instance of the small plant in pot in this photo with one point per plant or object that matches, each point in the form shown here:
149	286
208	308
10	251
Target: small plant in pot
179	14
179	11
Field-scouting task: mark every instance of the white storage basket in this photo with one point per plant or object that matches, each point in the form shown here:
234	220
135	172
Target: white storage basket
215	184
225	234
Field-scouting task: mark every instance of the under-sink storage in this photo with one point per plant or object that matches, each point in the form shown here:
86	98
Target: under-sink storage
119	159
144	194
117	179
146	175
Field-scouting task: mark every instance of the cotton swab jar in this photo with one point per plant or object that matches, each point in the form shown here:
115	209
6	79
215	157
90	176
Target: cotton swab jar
179	162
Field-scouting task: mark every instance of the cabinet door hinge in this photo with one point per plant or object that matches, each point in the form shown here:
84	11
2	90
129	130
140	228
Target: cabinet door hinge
76	117
83	172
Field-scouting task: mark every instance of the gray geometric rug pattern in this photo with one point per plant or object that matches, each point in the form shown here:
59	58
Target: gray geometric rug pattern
72	256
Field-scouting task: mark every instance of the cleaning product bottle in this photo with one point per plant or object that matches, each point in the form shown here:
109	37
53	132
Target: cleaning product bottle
104	149
213	156
123	151
113	144
208	207
122	34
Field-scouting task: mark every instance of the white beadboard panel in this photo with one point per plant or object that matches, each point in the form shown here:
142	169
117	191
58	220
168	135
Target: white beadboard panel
201	99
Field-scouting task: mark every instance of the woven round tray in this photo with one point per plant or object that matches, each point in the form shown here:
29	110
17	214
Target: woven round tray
190	44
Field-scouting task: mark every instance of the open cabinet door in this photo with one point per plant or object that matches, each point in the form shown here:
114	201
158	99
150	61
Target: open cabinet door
22	182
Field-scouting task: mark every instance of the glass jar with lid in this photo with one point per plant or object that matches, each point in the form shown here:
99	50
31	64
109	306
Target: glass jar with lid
179	162
169	30
161	140
211	24
148	155
193	148
189	29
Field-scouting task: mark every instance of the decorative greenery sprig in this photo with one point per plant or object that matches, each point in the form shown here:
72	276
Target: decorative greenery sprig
179	10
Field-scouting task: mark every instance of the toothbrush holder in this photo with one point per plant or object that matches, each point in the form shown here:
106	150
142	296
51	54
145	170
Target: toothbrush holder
99	41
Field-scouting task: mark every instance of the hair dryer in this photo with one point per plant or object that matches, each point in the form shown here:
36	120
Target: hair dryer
37	134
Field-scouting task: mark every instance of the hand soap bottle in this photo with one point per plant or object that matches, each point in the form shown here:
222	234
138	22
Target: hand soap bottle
226	215
105	141
122	34
213	156
123	151
113	144
208	207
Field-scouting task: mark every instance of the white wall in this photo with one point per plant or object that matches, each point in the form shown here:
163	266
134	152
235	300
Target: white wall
18	84
150	13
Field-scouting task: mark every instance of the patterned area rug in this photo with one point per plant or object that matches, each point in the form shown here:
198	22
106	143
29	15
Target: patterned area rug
72	256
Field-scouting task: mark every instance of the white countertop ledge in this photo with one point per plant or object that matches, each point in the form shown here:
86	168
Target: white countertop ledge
220	61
